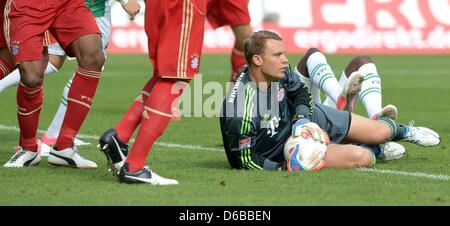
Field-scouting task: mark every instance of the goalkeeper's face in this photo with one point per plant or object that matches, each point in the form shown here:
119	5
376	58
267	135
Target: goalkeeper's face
274	59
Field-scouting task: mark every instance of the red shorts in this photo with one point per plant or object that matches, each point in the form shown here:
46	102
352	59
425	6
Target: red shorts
2	35
227	12
175	31
28	20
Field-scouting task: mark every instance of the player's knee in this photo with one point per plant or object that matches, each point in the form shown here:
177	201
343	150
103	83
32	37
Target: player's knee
363	158
92	59
31	78
302	64
357	63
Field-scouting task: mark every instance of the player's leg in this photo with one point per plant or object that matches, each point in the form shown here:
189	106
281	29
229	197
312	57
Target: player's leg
302	70
322	76
29	53
114	142
80	37
157	109
50	136
6	63
370	93
13	78
241	32
232	13
366	131
339	156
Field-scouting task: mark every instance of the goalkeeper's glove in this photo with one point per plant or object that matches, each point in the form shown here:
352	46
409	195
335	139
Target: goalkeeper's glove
305	125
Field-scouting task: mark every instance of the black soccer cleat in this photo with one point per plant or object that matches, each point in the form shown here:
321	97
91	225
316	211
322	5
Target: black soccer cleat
115	150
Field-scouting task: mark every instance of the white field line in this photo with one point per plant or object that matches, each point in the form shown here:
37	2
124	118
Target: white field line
411	174
197	147
162	144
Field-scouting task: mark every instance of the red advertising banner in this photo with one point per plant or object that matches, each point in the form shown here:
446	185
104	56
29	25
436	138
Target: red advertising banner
337	26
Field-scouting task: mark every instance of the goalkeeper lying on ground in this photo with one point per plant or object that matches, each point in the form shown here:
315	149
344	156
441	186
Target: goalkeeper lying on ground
269	103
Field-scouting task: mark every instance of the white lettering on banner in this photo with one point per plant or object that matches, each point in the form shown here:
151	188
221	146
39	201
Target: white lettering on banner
336	26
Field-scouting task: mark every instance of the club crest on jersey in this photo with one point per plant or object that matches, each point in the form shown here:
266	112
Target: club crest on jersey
195	61
281	94
245	143
15	48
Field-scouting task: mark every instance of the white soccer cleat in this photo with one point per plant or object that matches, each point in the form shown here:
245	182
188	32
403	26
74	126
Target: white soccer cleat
389	111
421	136
70	157
46	143
347	100
23	158
144	175
391	151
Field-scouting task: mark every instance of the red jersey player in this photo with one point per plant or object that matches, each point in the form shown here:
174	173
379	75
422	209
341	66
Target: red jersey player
232	13
6	61
25	24
175	29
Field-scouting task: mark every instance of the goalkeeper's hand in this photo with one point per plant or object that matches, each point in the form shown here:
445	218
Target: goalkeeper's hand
304	124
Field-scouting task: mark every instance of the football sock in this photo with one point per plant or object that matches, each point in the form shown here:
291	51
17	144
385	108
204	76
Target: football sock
5	68
342	81
370	93
29	101
398	132
79	102
14	77
55	126
322	75
314	90
132	118
237	61
155	118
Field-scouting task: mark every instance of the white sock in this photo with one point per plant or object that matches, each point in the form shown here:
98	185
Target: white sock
371	89
314	90
14	77
322	76
55	126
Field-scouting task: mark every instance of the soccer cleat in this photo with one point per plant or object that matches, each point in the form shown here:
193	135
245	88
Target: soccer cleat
421	136
391	151
144	175
346	100
23	158
115	150
46	143
389	111
70	157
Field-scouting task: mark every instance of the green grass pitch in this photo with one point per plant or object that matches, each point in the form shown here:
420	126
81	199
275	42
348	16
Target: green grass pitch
190	150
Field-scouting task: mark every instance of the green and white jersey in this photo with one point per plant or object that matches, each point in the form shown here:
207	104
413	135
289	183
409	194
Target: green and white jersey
99	8
255	124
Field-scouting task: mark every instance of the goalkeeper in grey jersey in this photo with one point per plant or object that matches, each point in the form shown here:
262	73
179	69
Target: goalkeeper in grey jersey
268	103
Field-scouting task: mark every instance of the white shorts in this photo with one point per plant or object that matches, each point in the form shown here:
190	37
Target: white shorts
104	24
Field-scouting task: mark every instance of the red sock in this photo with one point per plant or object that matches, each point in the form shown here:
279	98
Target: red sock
237	62
155	117
80	97
29	101
5	68
132	118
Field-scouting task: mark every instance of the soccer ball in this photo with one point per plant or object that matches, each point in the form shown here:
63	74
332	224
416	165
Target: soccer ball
304	153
